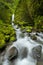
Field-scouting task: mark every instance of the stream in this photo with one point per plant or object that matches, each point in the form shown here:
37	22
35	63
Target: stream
20	44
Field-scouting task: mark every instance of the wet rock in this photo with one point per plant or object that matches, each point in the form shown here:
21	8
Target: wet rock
32	33
28	34
2	49
23	31
0	61
36	52
22	35
40	62
34	37
1	58
12	53
37	33
24	53
2	54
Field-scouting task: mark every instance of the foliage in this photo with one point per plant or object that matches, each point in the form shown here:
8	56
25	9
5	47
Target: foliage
38	23
28	15
7	34
30	11
22	14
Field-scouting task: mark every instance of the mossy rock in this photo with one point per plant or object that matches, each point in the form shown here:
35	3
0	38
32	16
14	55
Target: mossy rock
22	35
22	28
28	30
7	38
34	37
2	43
12	38
28	27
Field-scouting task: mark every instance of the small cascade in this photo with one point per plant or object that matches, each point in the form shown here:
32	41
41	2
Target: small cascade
12	17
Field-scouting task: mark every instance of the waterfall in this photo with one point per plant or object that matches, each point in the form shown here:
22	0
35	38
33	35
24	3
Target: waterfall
20	44
12	17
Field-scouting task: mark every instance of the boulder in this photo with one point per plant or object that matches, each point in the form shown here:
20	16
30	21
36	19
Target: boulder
22	35
32	33
12	53
36	52
34	37
0	61
24	53
23	31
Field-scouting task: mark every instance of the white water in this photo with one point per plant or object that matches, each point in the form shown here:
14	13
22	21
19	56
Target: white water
20	44
12	17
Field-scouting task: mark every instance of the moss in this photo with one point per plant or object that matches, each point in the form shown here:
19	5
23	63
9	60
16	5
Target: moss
28	27
7	34
22	27
28	30
2	40
2	43
12	39
7	38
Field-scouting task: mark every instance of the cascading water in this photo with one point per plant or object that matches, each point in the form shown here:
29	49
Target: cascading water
12	17
20	44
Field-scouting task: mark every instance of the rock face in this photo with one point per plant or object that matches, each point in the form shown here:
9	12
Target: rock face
36	52
12	53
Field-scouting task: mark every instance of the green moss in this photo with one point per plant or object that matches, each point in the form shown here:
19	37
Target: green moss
2	40
7	38
28	27
28	30
22	28
12	39
7	34
2	43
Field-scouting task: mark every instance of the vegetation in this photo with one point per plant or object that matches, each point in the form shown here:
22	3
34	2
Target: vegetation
28	16
30	13
7	33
